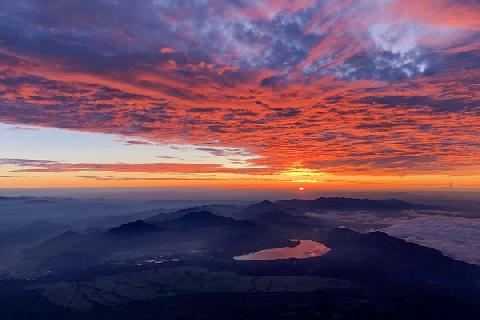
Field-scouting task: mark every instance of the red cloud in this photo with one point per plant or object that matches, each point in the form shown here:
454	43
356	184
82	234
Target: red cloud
335	97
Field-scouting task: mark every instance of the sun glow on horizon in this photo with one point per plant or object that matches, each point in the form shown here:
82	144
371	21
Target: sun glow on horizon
298	174
262	98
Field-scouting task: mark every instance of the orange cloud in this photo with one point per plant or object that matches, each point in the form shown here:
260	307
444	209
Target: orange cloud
343	88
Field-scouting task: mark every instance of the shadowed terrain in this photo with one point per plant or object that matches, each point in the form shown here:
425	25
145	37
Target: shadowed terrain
191	255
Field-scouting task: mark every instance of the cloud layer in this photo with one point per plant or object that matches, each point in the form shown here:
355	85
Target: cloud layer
383	86
456	237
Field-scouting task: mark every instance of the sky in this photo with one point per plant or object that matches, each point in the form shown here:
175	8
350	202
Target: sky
268	94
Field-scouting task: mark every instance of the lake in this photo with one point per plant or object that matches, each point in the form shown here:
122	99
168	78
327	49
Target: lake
304	249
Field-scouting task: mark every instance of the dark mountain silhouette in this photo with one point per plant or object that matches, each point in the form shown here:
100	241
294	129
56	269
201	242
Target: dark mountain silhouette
135	228
111	221
31	233
382	272
379	256
67	236
265	206
375	259
55	245
201	219
287	225
2	198
195	230
222	210
340	203
361	257
277	217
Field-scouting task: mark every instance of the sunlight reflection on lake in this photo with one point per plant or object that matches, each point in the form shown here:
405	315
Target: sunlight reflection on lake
305	249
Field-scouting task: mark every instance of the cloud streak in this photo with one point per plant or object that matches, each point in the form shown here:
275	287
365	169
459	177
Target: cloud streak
27	165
